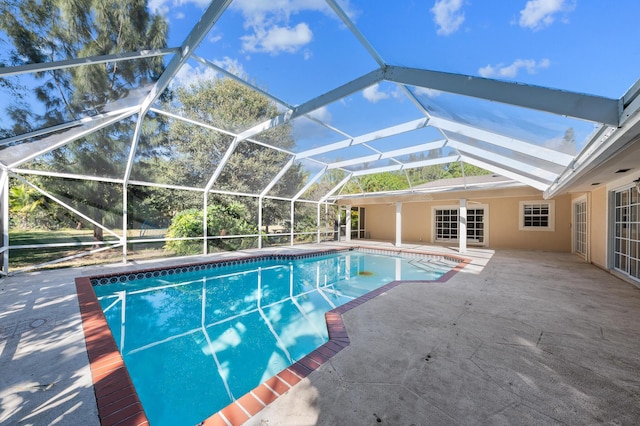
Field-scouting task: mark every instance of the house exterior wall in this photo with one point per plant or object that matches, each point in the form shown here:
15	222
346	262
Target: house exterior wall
380	221
597	217
503	213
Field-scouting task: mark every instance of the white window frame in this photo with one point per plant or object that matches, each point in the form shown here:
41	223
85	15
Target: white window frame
630	254
551	216
574	227
456	207
485	223
435	224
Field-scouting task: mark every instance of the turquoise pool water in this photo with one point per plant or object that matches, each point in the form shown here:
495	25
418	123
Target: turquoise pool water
194	341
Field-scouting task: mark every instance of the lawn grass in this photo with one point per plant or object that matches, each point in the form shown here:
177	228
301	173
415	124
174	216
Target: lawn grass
22	258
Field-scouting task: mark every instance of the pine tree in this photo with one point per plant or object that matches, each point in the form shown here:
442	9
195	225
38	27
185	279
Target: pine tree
52	30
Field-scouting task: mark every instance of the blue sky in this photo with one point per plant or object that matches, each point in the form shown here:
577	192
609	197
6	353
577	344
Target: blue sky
299	49
577	45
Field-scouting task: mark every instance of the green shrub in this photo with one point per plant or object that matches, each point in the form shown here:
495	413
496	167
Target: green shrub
223	219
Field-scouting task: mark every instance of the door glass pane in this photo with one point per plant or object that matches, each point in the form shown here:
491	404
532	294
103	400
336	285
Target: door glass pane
626	230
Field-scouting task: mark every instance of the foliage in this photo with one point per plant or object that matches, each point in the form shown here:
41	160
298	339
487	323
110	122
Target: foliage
24	201
223	219
196	151
455	170
52	30
388	181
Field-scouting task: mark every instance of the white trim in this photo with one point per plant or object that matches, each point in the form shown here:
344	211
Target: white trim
434	229
574	203
551	216
611	223
471	205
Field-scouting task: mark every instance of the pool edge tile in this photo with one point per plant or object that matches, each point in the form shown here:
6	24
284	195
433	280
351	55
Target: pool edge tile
116	398
238	412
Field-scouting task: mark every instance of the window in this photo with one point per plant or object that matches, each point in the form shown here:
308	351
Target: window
475	225
446	224
537	215
626	248
580	227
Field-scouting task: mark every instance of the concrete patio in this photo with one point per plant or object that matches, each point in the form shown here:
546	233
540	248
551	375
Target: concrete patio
517	337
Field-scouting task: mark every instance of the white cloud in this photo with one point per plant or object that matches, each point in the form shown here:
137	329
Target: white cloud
163	6
373	94
277	39
511	71
256	12
188	75
448	16
323	114
538	14
269	22
231	65
270	27
431	93
215	38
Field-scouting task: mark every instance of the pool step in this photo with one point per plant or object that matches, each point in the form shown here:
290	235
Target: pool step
432	265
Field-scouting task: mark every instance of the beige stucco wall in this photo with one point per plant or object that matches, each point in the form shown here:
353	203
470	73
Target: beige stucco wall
503	211
596	224
381	221
597	217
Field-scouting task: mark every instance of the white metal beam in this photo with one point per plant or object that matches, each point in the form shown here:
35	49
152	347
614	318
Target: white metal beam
217	129
335	188
262	92
56	141
243	82
91	60
465	148
197	34
68	207
389	154
356	32
577	105
66	175
513	144
602	147
505	172
312	105
223	162
311	181
59	127
368	137
275	180
416	164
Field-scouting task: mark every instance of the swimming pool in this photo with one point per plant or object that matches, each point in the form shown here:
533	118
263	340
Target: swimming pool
195	340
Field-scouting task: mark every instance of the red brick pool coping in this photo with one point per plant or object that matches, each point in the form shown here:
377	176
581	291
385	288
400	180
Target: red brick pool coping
117	399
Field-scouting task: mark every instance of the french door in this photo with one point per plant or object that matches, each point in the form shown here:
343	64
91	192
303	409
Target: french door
580	227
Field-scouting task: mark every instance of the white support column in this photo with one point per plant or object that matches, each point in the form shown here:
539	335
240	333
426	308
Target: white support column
5	221
347	228
127	175
125	218
260	222
318	223
398	224
462	227
205	227
292	219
